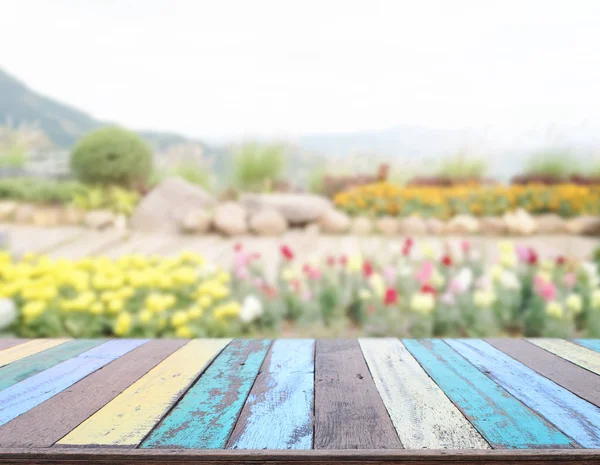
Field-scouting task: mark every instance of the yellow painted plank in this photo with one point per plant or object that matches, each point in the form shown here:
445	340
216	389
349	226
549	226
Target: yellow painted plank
574	353
12	354
130	416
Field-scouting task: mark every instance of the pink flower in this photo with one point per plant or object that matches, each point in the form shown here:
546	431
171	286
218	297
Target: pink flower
314	274
570	279
424	274
545	289
448	298
306	295
389	274
287	252
391	296
465	246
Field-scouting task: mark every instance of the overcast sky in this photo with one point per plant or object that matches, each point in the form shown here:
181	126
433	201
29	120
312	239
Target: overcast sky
223	68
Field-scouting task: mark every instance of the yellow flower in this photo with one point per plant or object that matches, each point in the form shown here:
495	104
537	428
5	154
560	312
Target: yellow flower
116	305
179	318
33	309
574	303
377	284
355	263
123	324
97	308
595	299
554	310
422	302
145	316
204	301
195	312
365	294
227	310
184	332
185	275
483	299
223	277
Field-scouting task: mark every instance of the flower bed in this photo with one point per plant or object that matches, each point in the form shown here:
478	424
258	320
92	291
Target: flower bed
380	199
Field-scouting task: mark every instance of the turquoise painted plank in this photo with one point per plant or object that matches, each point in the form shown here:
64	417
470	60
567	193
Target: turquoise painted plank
34	364
279	411
206	415
500	418
574	416
593	344
31	392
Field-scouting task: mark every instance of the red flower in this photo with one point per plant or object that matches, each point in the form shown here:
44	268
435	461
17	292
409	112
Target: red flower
287	253
343	260
331	261
560	260
306	268
428	289
367	269
447	260
237	246
406	248
532	256
391	296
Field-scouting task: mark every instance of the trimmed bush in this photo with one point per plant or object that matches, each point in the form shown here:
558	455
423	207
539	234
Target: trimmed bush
112	155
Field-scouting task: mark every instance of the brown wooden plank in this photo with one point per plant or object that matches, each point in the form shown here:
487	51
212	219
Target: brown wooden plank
349	412
298	457
578	380
11	342
42	426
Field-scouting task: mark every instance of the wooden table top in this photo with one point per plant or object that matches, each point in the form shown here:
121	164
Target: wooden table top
300	401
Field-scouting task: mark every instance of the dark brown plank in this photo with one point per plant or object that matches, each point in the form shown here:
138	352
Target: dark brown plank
349	412
42	426
11	342
578	380
298	457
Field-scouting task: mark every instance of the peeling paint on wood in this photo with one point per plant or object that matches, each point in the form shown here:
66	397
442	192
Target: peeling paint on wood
586	358
12	354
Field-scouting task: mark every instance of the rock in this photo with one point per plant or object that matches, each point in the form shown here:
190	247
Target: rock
163	209
520	223
492	226
550	223
7	210
229	218
435	226
72	215
387	225
585	225
413	226
334	222
295	208
99	219
268	223
120	223
313	229
361	226
196	221
463	224
24	213
46	217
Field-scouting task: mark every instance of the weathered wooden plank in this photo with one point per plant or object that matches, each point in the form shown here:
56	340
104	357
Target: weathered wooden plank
349	413
34	364
130	416
12	354
11	342
502	420
593	344
278	412
574	416
570	376
422	414
205	416
45	424
27	394
586	358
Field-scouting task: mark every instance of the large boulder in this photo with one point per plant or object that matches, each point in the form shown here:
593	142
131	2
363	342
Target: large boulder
550	223
295	208
361	226
196	221
463	224
163	209
99	219
413	226
229	218
72	215
46	217
334	222
492	226
435	226
7	209
520	223
24	213
268	223
387	225
585	225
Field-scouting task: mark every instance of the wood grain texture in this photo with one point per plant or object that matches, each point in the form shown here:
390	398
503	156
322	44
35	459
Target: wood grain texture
17	352
205	416
6	343
592	344
501	419
279	411
570	376
422	414
349	413
27	394
574	416
45	424
130	416
586	358
34	364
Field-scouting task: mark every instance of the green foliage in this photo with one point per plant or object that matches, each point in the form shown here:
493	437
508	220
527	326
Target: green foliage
257	165
114	198
553	163
316	181
462	166
195	173
14	158
39	190
112	155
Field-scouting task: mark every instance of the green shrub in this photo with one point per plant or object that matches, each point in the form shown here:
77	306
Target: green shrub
554	163
257	165
462	166
39	191
195	173
112	155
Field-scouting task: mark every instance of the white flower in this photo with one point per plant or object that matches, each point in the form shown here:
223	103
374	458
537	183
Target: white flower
377	284
574	303
464	279
510	280
483	299
592	273
437	279
252	308
8	313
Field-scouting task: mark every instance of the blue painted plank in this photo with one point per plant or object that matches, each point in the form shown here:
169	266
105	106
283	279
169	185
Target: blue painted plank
31	392
574	416
206	415
34	364
279	411
500	418
593	344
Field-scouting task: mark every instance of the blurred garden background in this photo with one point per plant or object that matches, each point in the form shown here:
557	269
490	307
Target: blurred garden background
438	219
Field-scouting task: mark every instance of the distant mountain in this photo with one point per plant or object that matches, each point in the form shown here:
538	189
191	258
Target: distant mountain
63	124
